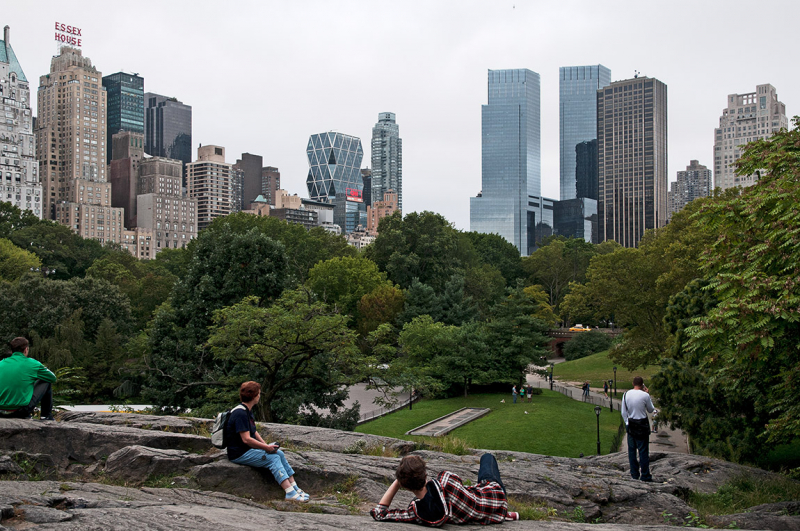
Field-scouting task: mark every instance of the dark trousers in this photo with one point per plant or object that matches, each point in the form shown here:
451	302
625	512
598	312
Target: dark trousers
42	392
489	471
643	463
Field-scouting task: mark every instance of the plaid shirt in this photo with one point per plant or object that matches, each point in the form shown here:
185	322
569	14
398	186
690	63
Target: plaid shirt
483	504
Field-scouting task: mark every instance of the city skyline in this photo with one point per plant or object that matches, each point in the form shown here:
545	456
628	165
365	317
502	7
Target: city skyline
450	45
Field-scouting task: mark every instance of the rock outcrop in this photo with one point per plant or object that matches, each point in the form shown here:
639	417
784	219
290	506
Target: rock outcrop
96	471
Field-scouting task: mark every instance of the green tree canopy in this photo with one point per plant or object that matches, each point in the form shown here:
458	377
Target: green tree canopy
494	250
343	281
15	262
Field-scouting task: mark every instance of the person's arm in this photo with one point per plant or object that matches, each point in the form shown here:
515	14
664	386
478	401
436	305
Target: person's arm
256	443
624	410
649	405
45	374
382	511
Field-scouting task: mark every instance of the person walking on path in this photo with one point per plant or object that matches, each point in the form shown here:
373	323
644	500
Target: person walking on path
514	393
636	404
24	383
605	388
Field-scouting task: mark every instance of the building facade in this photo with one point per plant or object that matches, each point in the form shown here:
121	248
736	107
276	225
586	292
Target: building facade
576	218
510	202
127	150
692	183
381	209
210	181
632	159
169	216
19	169
270	183
586	169
748	117
168	128
577	118
251	167
125	105
387	158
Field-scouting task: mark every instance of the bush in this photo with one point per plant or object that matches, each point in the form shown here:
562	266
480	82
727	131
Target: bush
585	344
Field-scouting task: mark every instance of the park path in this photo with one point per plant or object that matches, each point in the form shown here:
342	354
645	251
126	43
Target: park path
666	440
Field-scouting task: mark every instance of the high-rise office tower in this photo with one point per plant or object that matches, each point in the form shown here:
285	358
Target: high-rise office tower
270	183
334	176
748	117
366	178
19	169
168	128
127	150
632	159
692	183
578	86
125	101
209	180
251	168
586	168
161	208
71	148
387	158
510	204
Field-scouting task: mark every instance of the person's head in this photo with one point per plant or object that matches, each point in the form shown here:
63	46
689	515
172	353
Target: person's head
249	391
638	381
411	473
19	344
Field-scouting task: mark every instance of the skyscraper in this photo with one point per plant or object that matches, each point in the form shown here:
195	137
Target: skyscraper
578	86
127	152
387	158
209	180
19	169
632	159
161	208
168	128
334	176
748	117
510	204
71	148
692	183
125	100
251	167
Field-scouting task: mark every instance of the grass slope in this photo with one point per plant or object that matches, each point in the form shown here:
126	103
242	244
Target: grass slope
598	367
555	425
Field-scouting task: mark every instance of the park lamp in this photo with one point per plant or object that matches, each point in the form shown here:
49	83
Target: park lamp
597	410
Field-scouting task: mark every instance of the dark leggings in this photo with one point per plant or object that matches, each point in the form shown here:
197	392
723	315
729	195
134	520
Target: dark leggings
42	392
489	471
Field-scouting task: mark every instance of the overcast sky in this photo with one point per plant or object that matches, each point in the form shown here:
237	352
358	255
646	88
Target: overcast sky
261	76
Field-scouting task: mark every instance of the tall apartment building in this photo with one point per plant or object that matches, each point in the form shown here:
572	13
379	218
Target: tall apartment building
168	128
381	209
251	167
748	117
125	101
387	158
632	159
510	203
19	169
270	183
127	151
161	208
210	181
71	148
692	183
577	118
334	176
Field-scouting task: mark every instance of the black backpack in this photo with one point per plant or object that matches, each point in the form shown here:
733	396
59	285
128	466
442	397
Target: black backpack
219	437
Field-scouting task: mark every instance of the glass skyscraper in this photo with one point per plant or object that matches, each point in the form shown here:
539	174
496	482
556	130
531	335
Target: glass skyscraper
168	128
387	158
125	100
578	86
510	202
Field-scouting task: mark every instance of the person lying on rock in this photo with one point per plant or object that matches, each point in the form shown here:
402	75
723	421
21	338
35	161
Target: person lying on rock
24	383
246	447
446	499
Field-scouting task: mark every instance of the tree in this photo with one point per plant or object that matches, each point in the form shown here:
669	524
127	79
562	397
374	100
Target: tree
494	250
15	262
58	248
556	263
420	299
457	307
13	219
381	305
343	281
296	339
586	344
544	311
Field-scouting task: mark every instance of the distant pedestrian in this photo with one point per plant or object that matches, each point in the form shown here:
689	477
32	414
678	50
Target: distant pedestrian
655	420
522	392
585	389
605	388
514	393
530	392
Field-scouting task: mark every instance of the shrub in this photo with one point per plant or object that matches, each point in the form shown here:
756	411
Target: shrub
585	344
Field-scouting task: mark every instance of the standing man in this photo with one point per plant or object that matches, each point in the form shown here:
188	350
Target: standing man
24	382
514	393
636	404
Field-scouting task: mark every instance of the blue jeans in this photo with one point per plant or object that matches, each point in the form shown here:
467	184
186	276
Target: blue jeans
643	447
488	470
277	463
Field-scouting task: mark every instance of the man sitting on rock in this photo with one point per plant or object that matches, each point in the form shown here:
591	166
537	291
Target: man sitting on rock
24	382
246	447
446	499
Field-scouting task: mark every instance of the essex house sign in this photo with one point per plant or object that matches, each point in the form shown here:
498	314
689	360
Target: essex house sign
70	35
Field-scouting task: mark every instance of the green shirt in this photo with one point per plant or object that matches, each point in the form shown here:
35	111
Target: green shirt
18	373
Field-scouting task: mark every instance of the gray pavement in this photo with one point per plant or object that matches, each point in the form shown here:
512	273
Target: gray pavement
446	424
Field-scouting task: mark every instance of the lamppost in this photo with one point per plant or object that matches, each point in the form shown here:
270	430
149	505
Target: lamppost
597	412
615	380
45	271
551	376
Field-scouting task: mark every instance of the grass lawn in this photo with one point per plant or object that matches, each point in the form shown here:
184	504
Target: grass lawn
554	425
598	367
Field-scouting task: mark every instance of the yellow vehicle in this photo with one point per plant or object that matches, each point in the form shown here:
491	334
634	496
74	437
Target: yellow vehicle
580	328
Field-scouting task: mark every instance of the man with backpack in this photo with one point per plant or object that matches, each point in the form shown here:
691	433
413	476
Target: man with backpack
636	404
246	446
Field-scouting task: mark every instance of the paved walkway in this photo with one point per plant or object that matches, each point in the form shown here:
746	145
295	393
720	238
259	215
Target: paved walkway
446	424
666	440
